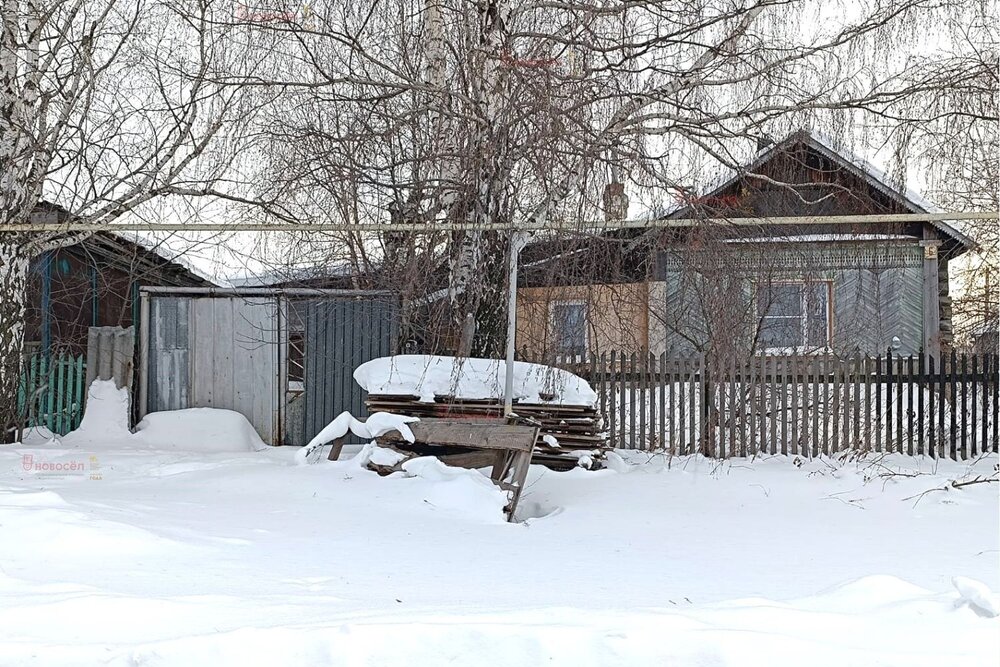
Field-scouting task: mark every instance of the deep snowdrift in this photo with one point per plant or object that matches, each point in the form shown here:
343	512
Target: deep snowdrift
174	558
105	426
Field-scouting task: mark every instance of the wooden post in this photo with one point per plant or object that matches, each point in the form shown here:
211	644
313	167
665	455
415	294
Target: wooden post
931	298
663	401
921	436
701	434
792	374
973	381
612	399
964	379
931	423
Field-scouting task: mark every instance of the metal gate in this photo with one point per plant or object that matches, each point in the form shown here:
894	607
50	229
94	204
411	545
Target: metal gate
340	335
214	351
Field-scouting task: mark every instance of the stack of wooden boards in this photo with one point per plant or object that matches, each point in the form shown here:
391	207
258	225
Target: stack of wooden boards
576	428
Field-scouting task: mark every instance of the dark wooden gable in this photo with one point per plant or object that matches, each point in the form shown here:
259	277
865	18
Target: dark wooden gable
794	180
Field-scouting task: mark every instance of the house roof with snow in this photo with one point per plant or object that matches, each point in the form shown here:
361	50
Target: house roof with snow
804	142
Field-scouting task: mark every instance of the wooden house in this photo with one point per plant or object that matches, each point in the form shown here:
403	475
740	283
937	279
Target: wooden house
833	287
94	283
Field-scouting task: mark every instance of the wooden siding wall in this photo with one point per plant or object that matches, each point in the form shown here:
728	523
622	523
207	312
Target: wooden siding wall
617	317
877	295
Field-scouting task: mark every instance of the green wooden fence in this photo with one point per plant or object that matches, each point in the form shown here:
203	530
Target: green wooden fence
52	391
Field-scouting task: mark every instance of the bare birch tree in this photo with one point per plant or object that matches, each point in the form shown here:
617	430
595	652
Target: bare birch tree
105	106
491	113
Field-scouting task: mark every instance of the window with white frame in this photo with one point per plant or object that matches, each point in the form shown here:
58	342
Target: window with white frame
794	316
568	322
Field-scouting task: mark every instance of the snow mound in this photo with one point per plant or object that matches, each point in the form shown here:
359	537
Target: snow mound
198	429
427	376
977	595
35	436
105	418
458	490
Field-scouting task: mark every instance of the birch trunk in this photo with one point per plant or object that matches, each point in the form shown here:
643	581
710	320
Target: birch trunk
14	266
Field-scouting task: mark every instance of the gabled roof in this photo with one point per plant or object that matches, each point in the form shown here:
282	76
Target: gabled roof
846	159
123	249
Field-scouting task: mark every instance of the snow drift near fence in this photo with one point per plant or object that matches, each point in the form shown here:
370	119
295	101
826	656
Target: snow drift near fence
105	426
427	376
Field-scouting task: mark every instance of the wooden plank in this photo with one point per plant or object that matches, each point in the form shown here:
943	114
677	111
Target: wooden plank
931	424
910	416
672	365
823	404
879	382
942	407
663	403
682	366
869	439
921	446
760	440
836	368
78	392
964	383
633	390
756	428
623	402
49	393
742	414
702	437
889	401
475	434
730	448
602	385
953	380
794	368
995	386
771	406
814	377
984	393
61	373
900	404
974	426
642	384
783	388
612	398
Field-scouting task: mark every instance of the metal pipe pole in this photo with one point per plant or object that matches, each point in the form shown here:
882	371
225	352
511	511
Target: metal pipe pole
517	241
550	226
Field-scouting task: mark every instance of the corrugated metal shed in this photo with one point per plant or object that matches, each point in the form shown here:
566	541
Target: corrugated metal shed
228	348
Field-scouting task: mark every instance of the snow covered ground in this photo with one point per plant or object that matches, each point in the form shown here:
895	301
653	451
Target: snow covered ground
115	555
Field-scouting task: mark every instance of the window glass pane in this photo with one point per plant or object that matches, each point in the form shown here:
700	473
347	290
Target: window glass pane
570	327
818	314
783	300
780	332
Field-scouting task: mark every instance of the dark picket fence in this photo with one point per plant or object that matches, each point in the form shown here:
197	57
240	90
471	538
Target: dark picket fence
798	405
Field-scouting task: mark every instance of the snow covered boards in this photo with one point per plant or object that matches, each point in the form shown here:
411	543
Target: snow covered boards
508	446
566	432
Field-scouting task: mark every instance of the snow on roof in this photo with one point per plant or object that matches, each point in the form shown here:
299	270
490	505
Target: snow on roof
290	274
428	376
862	167
159	249
811	238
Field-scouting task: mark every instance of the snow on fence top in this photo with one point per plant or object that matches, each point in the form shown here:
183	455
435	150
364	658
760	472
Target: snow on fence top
427	376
